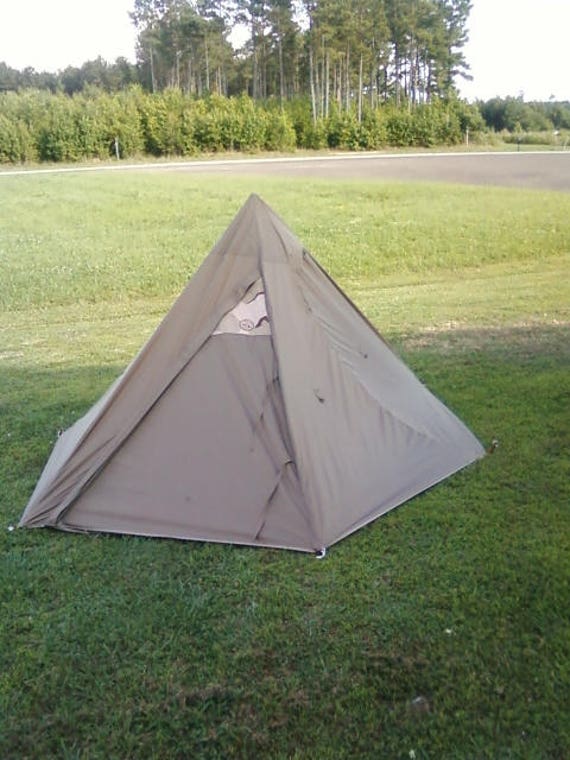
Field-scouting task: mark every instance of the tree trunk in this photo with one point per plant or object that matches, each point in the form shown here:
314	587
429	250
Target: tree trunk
360	88
397	74
327	83
264	72
317	90
347	93
335	84
281	69
312	83
152	75
255	77
207	64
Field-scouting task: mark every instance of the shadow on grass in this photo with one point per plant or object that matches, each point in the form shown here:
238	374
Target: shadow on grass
36	404
522	343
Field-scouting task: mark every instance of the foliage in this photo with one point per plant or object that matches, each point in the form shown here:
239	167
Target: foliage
550	138
513	114
330	51
129	647
59	128
16	143
56	127
97	73
329	65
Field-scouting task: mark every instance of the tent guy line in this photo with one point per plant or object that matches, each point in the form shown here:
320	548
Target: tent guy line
206	163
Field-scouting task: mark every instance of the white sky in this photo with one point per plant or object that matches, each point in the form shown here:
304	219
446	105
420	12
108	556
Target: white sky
516	46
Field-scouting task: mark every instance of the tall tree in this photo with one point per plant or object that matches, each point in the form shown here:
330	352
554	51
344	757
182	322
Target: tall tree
283	36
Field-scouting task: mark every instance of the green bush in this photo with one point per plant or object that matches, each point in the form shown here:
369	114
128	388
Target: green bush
153	116
38	125
9	142
210	128
374	134
343	130
424	124
447	125
533	138
123	120
399	127
58	134
308	134
18	114
250	121
279	131
16	142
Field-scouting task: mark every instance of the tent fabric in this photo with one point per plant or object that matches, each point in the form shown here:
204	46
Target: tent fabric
265	410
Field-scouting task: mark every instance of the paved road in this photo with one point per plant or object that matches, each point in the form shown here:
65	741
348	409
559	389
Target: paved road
531	170
547	170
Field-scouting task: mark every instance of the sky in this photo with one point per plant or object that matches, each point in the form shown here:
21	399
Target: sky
515	47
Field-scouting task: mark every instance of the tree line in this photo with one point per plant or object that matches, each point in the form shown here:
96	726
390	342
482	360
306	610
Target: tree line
514	115
328	50
342	51
296	73
38	125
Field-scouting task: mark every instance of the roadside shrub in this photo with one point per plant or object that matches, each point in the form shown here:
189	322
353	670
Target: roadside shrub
9	142
424	126
316	136
38	125
373	129
92	135
532	138
446	124
308	135
250	122
399	127
58	135
228	120
342	130
279	131
469	117
189	145
209	127
153	122
123	120
16	142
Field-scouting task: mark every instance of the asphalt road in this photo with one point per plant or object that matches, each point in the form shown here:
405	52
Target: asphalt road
527	169
531	170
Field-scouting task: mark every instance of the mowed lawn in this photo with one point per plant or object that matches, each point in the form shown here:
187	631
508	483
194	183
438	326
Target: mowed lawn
440	631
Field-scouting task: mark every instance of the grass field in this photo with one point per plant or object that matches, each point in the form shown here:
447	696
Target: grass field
440	631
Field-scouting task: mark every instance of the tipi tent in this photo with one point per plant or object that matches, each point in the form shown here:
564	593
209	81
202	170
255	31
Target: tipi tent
264	410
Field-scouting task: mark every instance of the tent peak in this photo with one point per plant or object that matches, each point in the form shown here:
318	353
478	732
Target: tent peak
254	198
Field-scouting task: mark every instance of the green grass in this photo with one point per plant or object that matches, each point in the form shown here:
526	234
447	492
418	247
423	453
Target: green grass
120	647
74	238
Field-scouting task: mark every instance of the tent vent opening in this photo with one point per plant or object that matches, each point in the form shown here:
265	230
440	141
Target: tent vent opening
248	317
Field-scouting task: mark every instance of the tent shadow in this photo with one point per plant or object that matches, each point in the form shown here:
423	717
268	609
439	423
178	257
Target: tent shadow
35	404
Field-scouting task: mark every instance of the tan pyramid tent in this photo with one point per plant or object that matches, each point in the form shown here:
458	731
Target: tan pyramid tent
264	410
